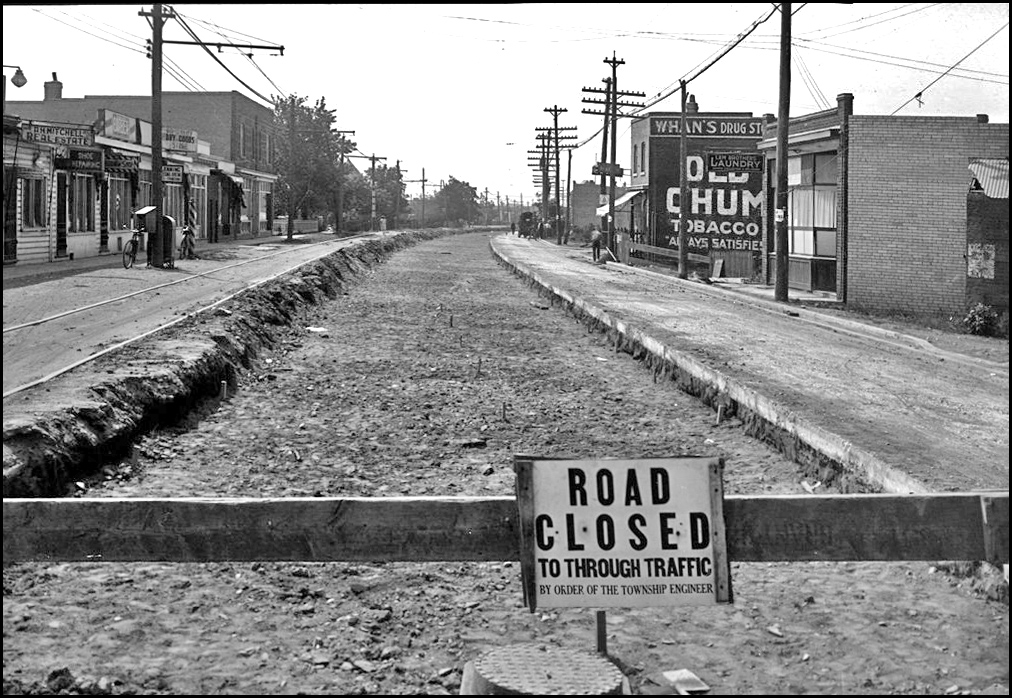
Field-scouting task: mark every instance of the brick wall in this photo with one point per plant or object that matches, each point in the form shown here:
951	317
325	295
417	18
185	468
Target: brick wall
908	182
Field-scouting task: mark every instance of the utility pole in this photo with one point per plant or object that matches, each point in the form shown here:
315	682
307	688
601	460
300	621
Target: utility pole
423	181
599	169
569	195
291	164
372	184
683	190
609	168
783	118
555	111
155	244
156	19
397	195
339	214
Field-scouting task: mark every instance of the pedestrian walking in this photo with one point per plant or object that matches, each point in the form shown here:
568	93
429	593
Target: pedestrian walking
595	243
513	228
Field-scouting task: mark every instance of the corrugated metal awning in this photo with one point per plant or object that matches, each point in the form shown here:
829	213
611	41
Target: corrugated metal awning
992	176
624	199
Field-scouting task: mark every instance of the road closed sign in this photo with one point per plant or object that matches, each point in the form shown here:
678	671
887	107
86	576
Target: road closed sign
622	533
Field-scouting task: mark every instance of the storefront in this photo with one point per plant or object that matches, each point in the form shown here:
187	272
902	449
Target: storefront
813	185
29	202
725	200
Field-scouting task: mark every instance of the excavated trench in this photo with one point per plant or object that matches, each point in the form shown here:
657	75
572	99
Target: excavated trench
188	367
49	442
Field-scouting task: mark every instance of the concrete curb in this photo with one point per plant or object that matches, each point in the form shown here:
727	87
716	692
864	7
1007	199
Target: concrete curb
718	390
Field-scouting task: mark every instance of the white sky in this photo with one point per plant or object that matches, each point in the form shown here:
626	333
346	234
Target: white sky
460	89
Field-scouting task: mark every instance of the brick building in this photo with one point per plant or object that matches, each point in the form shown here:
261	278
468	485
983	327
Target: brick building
585	199
724	174
218	148
877	206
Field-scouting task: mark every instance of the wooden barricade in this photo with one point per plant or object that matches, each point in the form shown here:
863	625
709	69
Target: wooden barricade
873	527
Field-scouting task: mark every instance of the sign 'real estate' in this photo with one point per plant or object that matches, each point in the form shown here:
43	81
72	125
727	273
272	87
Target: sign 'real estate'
57	134
622	533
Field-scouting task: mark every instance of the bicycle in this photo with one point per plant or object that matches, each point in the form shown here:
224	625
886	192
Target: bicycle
131	249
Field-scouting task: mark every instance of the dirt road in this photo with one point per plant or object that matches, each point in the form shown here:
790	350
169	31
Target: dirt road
425	378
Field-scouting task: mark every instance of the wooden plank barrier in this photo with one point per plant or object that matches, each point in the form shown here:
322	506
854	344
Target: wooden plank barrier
876	527
667	252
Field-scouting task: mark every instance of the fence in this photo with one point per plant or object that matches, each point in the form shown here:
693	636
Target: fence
874	527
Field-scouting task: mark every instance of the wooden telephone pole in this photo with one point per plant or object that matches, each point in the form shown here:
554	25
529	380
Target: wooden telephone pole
423	181
608	168
157	18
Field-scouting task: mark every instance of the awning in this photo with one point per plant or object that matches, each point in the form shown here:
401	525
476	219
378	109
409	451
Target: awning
620	201
992	175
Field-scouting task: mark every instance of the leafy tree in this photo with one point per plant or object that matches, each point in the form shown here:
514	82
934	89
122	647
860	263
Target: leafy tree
308	150
458	202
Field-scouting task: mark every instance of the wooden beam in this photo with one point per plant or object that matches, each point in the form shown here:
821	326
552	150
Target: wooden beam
667	252
971	526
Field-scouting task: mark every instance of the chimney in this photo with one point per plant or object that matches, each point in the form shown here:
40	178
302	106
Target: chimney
53	89
982	118
845	104
690	105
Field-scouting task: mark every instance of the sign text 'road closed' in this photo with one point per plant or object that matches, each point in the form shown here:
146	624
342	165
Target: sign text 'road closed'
623	533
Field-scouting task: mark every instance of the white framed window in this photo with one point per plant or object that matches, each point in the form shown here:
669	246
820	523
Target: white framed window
33	202
81	203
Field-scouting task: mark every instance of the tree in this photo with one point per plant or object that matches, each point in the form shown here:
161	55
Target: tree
390	201
308	150
458	201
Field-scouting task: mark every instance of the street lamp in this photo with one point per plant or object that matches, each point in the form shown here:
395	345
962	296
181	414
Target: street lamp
19	80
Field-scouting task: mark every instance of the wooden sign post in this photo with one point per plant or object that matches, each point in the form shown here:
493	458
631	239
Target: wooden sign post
622	533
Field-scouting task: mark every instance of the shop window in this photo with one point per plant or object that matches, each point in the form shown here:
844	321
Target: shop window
119	203
172	202
33	202
81	203
812	213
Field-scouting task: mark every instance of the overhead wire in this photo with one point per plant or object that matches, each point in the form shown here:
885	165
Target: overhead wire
921	92
927	65
193	34
220	31
170	67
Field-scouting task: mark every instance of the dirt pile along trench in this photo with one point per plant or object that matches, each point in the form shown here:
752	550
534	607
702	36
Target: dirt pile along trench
51	442
424	375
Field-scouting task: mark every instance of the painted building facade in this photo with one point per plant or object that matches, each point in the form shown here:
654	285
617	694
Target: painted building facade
725	200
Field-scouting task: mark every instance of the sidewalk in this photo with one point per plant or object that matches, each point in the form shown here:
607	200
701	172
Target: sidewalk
888	406
21	272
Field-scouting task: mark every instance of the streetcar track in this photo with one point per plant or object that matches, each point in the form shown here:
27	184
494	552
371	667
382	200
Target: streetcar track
119	345
91	306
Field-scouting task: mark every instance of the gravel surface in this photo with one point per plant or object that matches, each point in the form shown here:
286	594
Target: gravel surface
425	378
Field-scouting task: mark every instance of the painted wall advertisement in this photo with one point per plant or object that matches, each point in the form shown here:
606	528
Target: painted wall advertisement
622	533
725	196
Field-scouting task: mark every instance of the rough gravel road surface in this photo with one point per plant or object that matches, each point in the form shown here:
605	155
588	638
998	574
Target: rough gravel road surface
425	377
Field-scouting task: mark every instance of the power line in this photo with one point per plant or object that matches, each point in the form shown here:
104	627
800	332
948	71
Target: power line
101	38
873	24
220	31
741	37
242	82
929	67
978	47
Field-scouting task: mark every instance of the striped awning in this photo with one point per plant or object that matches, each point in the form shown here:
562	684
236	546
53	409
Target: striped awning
992	177
620	201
